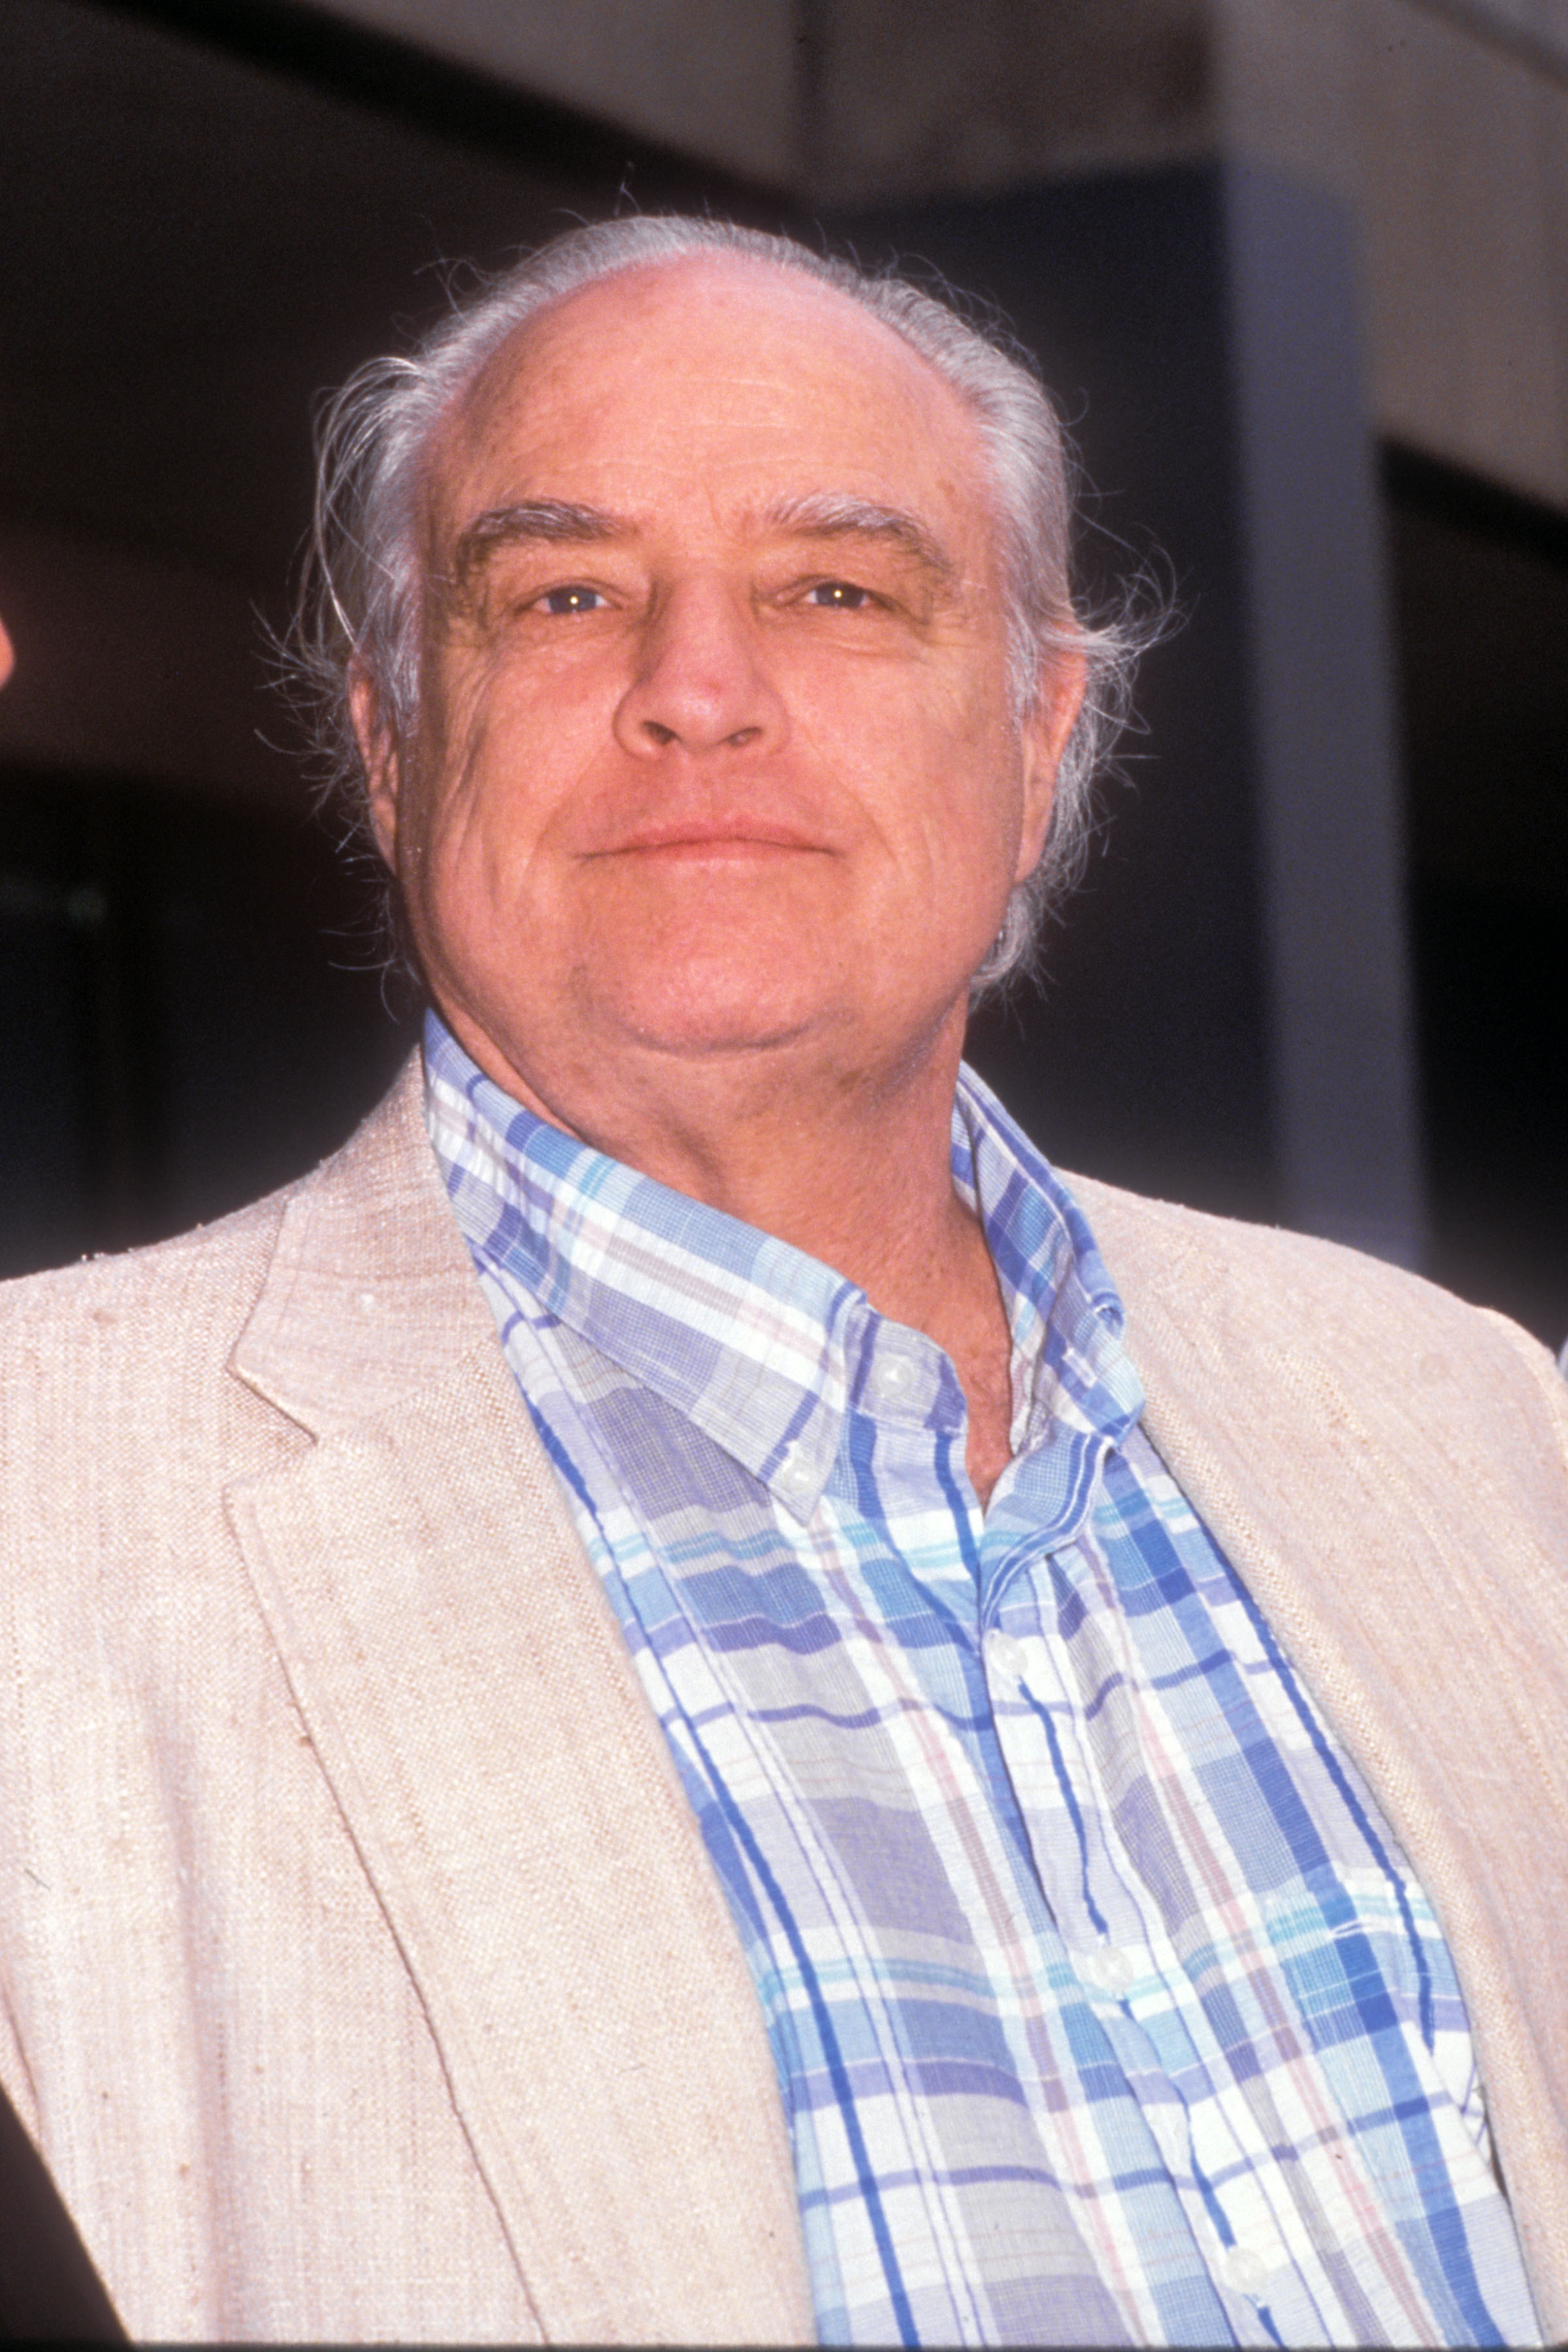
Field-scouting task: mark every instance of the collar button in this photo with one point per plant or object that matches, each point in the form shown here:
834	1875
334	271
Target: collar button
794	1475
892	1379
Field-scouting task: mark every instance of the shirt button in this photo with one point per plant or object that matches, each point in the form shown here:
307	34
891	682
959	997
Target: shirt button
893	1378
1004	1656
1244	2272
795	1474
1106	1967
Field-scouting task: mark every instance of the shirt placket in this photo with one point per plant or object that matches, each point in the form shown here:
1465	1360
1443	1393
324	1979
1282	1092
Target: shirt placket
1042	1683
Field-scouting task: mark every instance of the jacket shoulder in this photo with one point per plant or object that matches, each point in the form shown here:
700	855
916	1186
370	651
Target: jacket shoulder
224	1261
119	1418
1375	1324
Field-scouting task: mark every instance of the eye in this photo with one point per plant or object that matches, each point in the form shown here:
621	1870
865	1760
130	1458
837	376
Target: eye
838	596
574	598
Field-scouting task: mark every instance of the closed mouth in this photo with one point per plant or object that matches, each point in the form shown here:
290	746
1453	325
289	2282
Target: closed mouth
734	839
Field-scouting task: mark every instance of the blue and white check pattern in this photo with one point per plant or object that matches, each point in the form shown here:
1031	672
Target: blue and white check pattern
1104	2008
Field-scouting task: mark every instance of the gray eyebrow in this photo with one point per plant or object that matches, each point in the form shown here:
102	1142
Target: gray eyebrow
822	514
830	514
550	520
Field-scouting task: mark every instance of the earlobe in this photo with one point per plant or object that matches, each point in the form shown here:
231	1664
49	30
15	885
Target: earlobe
1045	735
1041	759
381	803
379	753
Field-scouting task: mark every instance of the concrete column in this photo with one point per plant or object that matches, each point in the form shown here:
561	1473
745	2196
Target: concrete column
1334	948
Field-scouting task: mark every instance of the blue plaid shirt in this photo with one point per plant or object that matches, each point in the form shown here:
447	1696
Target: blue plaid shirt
1105	2009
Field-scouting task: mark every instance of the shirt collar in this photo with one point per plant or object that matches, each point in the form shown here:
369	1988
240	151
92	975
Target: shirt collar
762	1346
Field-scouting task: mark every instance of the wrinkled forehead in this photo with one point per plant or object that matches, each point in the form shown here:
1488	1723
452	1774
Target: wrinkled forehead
761	378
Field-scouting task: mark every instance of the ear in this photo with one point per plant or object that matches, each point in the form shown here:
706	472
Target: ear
1045	739
378	750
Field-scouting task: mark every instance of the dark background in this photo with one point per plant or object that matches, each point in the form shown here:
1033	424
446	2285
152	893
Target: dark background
201	235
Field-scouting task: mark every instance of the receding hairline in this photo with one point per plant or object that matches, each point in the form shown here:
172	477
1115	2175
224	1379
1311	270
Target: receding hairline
493	365
815	291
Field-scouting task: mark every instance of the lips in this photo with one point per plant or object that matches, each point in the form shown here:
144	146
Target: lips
710	837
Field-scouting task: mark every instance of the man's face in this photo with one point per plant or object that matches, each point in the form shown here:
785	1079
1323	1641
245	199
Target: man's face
717	754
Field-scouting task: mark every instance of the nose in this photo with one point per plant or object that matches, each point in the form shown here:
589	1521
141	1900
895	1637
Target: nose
701	681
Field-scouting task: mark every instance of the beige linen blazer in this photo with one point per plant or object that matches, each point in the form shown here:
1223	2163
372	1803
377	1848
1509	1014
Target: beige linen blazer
363	1973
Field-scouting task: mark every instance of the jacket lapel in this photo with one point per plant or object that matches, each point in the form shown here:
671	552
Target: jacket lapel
471	1700
1370	1455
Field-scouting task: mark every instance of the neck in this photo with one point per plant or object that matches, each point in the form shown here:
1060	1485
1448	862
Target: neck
850	1165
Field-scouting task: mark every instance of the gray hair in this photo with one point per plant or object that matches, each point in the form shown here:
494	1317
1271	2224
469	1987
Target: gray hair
361	608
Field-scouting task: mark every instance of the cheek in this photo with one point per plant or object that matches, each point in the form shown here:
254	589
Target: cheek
974	841
959	788
928	721
503	754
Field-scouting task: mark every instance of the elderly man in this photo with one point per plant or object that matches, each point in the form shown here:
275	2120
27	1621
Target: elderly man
682	1698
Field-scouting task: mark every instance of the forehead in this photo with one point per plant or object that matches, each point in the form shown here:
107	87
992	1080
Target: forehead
718	380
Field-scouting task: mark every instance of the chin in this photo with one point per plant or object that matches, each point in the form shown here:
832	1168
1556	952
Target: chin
717	1005
715	1031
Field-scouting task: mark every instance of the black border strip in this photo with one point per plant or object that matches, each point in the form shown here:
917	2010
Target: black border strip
451	101
1467	502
